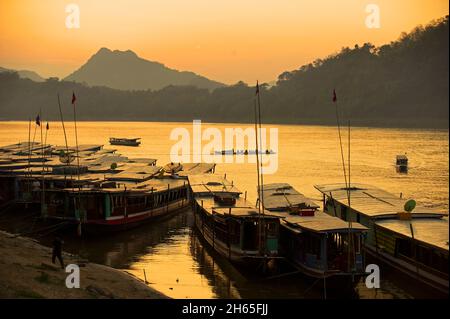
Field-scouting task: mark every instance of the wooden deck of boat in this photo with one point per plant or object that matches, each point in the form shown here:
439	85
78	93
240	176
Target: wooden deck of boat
278	196
433	231
372	201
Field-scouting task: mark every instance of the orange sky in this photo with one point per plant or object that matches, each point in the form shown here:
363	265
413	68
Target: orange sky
225	40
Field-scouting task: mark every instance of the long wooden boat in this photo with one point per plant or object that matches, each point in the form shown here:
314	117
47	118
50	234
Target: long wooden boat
230	224
316	243
117	206
125	141
415	243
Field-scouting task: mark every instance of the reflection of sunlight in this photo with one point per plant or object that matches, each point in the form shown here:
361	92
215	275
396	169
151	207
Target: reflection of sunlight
163	269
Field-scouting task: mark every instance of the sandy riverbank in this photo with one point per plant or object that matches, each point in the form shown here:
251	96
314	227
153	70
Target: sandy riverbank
26	271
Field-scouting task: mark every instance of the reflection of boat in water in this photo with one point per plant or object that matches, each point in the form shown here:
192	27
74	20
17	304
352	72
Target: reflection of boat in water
316	243
117	206
230	224
221	276
412	240
125	141
401	163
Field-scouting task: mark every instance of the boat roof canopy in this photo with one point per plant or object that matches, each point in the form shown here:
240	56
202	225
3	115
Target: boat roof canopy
372	201
279	196
210	184
433	232
320	223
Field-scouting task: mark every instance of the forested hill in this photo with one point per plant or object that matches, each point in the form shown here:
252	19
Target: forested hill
404	83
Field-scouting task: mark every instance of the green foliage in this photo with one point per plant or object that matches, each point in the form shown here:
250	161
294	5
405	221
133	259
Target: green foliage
113	166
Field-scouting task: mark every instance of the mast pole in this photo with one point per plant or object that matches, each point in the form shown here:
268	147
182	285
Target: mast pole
350	236
78	161
62	122
29	151
257	171
43	167
263	226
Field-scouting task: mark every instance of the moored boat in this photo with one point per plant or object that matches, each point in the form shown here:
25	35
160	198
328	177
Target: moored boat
230	224
117	206
125	141
414	242
314	242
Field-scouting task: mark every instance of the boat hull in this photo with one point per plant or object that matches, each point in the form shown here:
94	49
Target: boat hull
122	223
431	280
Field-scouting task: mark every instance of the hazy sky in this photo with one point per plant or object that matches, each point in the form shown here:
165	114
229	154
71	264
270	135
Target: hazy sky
225	40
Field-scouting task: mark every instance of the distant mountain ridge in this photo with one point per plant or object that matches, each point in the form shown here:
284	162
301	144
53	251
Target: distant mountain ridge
125	70
25	74
404	83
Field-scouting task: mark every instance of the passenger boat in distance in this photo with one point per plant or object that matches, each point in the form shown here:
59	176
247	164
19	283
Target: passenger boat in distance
117	206
125	141
314	242
401	163
230	224
414	242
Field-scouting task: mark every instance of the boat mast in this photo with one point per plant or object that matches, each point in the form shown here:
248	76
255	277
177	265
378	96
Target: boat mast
258	125
350	236
43	167
347	186
257	170
78	162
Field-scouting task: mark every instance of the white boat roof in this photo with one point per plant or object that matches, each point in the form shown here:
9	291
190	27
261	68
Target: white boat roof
196	168
242	208
431	231
320	222
373	201
279	196
209	184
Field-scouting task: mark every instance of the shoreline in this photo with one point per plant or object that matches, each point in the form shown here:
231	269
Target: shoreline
26	271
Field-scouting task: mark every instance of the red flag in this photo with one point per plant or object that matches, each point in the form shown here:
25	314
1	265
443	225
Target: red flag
257	88
334	96
38	120
47	127
73	98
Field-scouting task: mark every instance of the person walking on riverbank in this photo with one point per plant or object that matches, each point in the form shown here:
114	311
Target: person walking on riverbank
57	251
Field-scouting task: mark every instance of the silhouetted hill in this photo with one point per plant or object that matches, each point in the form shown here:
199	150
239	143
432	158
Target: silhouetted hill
124	70
25	74
404	83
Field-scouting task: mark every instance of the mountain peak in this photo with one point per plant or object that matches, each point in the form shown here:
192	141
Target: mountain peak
125	70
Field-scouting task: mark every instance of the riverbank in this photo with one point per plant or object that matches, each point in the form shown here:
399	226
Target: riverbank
26	271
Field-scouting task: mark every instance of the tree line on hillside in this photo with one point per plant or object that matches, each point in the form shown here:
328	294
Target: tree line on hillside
403	83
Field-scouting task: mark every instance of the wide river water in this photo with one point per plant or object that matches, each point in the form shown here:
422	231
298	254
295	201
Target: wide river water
175	260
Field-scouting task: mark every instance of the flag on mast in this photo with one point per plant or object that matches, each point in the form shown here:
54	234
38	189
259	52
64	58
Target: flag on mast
334	96
38	120
73	98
